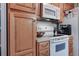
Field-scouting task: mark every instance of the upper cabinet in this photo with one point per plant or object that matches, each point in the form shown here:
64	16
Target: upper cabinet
68	6
29	7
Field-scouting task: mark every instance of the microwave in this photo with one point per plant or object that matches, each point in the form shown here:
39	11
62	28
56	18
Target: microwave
50	11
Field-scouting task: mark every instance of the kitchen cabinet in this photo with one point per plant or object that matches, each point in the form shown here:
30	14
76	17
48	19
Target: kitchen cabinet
27	7
70	46
38	10
61	5
43	48
21	31
68	6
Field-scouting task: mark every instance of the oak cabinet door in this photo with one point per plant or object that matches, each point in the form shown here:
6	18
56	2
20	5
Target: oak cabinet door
21	35
27	7
68	6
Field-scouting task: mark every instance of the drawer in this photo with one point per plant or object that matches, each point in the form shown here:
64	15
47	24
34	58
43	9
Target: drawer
43	45
44	52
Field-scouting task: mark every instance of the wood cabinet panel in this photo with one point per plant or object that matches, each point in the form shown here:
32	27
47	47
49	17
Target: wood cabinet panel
23	26
44	52
38	10
30	54
70	46
22	34
61	5
43	45
68	6
43	48
25	53
28	7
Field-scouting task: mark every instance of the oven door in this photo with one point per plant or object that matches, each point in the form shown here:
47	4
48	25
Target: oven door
59	48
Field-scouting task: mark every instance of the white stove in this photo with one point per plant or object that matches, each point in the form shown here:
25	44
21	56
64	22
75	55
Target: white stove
59	38
59	46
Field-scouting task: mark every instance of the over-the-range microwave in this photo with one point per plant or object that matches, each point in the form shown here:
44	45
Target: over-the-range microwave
50	11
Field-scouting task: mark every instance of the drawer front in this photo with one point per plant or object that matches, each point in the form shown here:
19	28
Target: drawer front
44	52
43	45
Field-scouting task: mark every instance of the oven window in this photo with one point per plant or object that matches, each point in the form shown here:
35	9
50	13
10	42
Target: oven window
60	47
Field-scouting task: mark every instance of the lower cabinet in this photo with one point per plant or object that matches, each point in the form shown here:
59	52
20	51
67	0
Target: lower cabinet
44	52
70	46
43	48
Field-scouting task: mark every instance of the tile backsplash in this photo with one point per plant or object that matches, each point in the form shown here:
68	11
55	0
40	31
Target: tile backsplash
50	26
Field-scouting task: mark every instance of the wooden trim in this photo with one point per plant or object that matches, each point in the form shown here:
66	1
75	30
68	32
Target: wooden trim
34	36
12	34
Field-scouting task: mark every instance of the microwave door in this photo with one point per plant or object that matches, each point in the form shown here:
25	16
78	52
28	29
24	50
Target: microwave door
49	12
